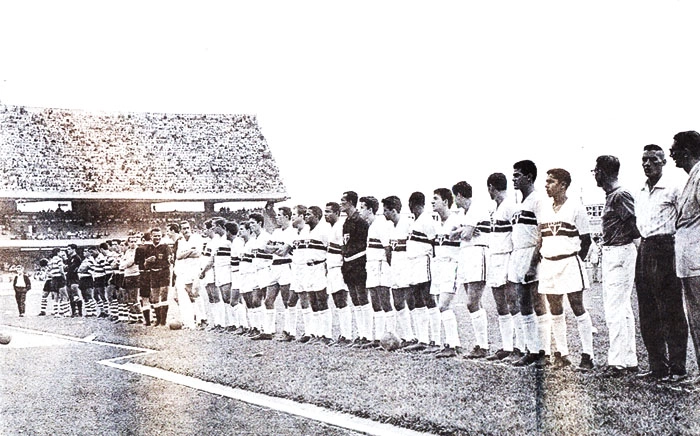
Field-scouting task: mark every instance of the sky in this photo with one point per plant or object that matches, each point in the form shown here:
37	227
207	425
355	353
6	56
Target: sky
380	97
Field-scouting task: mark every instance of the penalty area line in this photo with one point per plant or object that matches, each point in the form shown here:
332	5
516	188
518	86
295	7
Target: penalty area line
308	411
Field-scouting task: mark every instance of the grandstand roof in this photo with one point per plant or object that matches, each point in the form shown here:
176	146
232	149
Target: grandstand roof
62	154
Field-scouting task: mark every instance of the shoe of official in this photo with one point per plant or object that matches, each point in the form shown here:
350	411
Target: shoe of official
542	360
632	369
286	337
586	363
304	339
262	337
613	371
477	353
674	378
371	345
560	361
432	348
516	354
420	346
446	352
527	359
42	313
499	355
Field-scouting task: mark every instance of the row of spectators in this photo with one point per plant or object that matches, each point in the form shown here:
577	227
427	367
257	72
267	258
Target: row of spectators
59	150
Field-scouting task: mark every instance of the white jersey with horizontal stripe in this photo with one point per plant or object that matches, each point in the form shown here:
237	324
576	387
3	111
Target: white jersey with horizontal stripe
421	237
335	244
190	264
378	237
478	217
398	237
237	250
279	238
261	259
560	230
501	238
311	245
446	249
525	230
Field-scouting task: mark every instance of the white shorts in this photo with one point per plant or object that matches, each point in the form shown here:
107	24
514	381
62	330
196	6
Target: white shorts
400	274
519	265
236	280
222	276
208	277
378	274
497	272
562	276
472	264
247	282
420	270
444	277
312	278
281	274
335	280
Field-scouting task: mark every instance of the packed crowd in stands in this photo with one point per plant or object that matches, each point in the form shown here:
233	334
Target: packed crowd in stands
59	150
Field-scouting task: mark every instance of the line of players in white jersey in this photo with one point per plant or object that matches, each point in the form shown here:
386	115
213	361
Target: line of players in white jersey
401	274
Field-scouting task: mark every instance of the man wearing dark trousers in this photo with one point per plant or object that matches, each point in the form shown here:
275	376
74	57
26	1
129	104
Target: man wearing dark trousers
661	316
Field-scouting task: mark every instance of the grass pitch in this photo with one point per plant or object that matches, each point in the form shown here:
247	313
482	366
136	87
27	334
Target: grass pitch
443	396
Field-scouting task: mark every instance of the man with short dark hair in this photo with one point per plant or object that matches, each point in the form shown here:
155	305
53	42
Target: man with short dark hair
336	284
157	262
662	320
500	248
523	267
619	257
686	153
354	263
72	279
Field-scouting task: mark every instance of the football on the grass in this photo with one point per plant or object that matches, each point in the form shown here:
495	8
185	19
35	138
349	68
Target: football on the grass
175	325
390	341
5	338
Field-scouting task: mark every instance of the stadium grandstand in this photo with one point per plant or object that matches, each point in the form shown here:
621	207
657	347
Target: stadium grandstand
111	171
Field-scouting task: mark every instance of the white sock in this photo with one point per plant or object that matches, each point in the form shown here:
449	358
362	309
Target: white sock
505	325
379	325
390	322
291	320
345	322
403	322
306	315
449	321
436	325
559	334
359	322
585	332
520	343
326	317
368	316
480	325
530	333
420	322
269	326
544	333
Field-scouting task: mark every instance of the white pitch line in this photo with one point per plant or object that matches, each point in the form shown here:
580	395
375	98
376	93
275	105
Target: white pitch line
308	411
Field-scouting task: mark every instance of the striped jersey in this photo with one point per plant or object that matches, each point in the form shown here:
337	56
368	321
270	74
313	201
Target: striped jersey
561	230
335	244
378	238
525	229
501	238
421	236
446	249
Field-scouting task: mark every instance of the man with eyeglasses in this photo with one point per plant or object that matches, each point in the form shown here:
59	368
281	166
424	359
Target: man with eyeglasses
619	256
686	153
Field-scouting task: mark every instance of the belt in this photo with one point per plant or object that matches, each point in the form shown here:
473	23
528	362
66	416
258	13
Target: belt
315	262
354	256
560	257
281	261
660	238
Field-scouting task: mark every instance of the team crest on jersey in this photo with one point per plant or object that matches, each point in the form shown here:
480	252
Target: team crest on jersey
554	227
439	239
346	238
393	244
